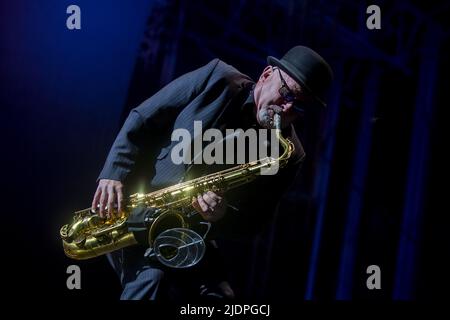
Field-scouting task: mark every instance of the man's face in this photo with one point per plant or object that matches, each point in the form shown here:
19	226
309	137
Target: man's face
268	98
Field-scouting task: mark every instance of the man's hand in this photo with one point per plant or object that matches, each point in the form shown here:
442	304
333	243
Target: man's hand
108	195
210	205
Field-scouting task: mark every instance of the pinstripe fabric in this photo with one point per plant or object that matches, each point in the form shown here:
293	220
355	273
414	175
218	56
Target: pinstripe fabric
199	95
148	280
205	94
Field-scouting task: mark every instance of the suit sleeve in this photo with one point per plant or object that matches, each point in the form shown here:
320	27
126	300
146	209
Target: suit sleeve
147	122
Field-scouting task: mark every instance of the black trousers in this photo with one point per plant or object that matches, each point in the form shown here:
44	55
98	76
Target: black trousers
146	279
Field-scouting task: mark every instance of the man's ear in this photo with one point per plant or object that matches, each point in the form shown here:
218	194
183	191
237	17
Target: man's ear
266	73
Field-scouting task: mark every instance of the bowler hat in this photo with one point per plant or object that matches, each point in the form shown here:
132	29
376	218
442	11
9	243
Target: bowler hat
308	68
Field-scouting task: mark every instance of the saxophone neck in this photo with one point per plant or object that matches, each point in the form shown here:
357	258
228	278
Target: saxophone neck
286	144
277	122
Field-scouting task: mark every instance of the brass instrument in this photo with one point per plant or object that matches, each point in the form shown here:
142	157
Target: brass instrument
90	236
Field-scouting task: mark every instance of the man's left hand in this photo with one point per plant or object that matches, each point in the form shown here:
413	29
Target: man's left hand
210	205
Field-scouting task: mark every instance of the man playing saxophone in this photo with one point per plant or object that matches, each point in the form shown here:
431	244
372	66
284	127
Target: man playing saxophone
221	97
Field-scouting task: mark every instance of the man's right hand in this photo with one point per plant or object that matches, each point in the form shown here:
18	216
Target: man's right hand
108	197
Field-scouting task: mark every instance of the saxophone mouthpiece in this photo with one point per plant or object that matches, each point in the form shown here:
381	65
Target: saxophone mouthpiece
277	121
272	115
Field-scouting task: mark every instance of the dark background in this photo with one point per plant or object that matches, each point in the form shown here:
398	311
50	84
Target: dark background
372	190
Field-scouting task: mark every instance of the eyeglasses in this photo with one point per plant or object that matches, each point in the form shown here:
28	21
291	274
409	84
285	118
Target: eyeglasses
289	96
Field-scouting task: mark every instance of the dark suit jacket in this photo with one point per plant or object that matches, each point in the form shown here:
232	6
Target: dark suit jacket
140	156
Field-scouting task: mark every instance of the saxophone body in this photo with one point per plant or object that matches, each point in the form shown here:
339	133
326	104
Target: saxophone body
89	235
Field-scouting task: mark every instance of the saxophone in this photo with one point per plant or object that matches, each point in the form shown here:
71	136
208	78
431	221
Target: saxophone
169	236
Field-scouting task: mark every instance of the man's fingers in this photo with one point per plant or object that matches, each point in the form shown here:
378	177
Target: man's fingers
106	195
110	201
209	199
95	199
209	205
195	204
204	207
102	203
218	194
119	200
216	197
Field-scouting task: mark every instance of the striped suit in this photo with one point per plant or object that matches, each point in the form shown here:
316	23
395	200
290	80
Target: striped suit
140	158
